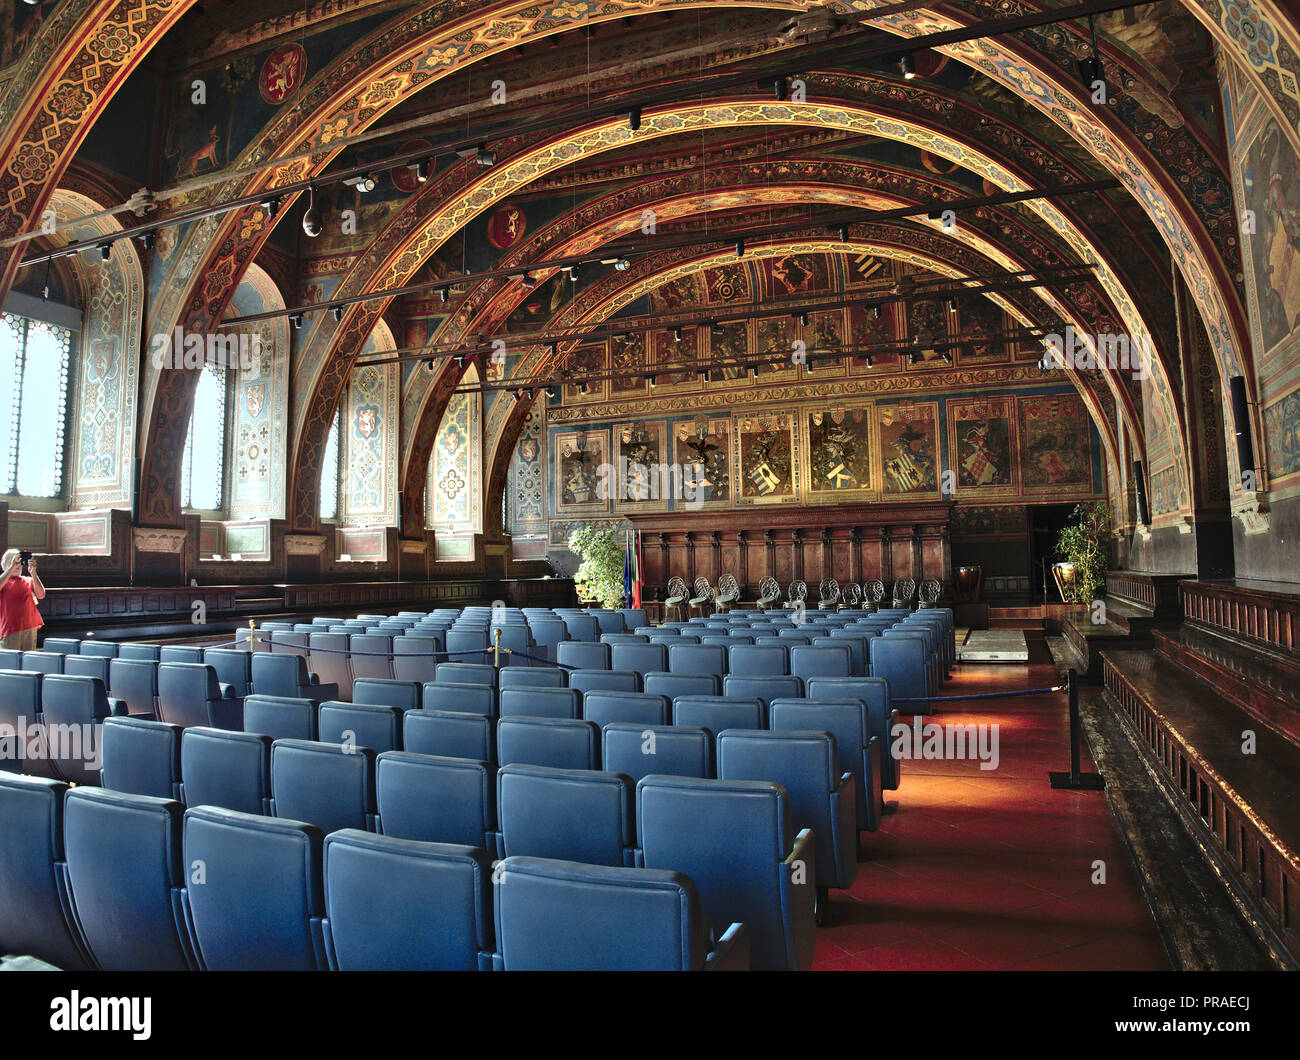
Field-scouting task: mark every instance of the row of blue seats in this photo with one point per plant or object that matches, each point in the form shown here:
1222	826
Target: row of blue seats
100	880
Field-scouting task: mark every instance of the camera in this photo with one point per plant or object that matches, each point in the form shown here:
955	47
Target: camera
25	558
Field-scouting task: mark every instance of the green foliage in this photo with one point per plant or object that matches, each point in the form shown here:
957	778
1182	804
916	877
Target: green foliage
1085	542
601	571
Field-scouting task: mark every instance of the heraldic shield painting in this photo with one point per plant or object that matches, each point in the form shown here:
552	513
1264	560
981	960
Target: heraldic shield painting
909	448
765	456
839	454
979	445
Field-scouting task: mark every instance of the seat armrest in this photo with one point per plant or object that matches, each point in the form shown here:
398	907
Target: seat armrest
227	690
731	954
313	678
874	778
117	708
798	900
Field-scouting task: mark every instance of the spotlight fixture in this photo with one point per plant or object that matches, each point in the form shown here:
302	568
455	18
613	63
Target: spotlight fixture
313	223
622	264
753	372
946	356
105	251
442	295
740	248
460	360
907	65
553	392
555	349
484	157
634	119
572	270
952	305
337	312
652	380
914	357
271	206
802	318
367	183
781	89
875	311
707	376
866	357
529	281
422	170
1091	71
296	321
842	233
810	366
147	240
582	388
677	334
428	365
626	336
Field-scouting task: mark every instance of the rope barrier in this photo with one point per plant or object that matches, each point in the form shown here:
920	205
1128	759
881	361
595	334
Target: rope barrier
348	651
982	695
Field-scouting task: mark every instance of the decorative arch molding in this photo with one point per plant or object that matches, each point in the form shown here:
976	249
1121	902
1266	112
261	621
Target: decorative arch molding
103	391
399	59
404	246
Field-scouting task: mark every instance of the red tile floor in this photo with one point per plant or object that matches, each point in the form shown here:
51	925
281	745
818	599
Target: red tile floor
983	869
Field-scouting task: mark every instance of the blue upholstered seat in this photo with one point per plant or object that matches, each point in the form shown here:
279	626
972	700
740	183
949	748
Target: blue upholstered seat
126	876
583	655
674	685
765	688
413	657
330	785
103	648
467	673
135	682
87	666
571	814
241	924
370	655
327	658
605	680
451	734
672	750
180	653
556	742
717	713
875	692
233	668
532	677
643	658
563	916
190	694
61	645
901	660
697	659
581	627
397	905
281	717
807	661
386	692
227	769
638	708
541	703
859	750
757	660
822	798
461	698
286	675
369	725
73	710
734	840
36	916
43	662
141	757
436	799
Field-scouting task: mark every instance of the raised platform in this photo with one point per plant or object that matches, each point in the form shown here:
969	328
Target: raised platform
1215	705
994	645
1137	604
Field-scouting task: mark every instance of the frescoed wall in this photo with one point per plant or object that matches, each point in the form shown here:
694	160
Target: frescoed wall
455	487
369	432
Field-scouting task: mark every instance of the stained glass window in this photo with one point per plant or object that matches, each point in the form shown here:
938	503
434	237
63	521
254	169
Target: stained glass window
34	362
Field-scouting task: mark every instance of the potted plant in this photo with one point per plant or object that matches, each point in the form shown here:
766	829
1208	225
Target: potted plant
601	571
1085	544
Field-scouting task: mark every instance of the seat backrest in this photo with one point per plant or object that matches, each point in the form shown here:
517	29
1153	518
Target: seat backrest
402	906
281	717
605	680
643	658
764	688
755	660
556	915
141	757
20	709
374	726
435	799
467	673
475	640
581	627
180	653
184	692
413	657
232	667
697	659
72	712
10	659
43	662
572	814
450	734
103	648
673	685
331	785
62	645
36	916
371	655
875	692
634	617
87	666
241	924
732	838
387	693
638	708
845	719
289	642
717	713
461	698
901	660
583	655
540	703
831	661
673	750
135	681
279	674
327	657
557	742
227	769
532	677
125	868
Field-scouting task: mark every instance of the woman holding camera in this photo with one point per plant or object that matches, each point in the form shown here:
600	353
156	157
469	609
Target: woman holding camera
20	589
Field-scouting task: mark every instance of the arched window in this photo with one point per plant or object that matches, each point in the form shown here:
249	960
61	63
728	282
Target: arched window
330	469
34	358
203	464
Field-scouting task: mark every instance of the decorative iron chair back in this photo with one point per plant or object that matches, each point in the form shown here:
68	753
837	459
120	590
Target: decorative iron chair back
930	593
728	586
875	591
904	590
828	591
703	589
798	590
769	592
676	588
853	595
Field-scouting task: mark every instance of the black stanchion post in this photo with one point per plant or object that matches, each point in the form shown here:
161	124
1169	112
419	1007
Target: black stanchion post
1075	779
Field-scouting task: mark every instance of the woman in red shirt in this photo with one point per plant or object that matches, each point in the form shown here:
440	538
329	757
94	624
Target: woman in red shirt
19	616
